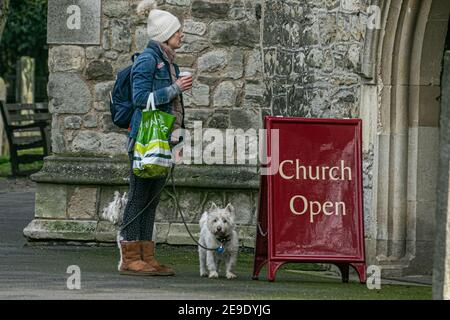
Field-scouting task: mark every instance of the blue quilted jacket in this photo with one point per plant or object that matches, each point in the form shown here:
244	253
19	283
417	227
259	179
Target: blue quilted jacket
151	73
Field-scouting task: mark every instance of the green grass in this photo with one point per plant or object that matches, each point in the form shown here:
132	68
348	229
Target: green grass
289	284
99	265
5	165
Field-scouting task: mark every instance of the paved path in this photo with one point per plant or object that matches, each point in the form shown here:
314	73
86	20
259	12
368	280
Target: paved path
39	272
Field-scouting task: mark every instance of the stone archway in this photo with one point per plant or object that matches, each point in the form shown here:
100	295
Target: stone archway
403	66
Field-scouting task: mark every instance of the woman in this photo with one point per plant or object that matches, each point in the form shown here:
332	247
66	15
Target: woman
153	71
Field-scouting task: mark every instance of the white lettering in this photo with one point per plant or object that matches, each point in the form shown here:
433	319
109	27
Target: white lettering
299	167
74	20
305	205
332	176
198	142
282	172
189	310
315	208
340	205
373	17
374	280
341	172
326	205
213	153
74	281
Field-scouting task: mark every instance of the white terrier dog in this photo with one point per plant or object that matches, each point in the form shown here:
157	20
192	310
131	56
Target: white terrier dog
115	209
217	230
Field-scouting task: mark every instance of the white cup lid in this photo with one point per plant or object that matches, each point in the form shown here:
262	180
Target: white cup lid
185	74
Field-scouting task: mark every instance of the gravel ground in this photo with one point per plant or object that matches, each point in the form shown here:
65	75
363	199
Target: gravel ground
16	184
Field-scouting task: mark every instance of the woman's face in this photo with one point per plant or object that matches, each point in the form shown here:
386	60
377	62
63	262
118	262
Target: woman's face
175	41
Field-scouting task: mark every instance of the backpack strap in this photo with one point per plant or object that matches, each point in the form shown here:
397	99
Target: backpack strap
134	56
151	98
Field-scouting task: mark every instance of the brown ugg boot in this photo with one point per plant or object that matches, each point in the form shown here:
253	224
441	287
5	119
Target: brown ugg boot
131	262
148	255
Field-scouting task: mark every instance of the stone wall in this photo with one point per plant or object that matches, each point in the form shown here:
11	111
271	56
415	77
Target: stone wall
306	58
222	49
307	53
312	57
312	65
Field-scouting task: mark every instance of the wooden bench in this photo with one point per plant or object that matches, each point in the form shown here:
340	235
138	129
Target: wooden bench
27	126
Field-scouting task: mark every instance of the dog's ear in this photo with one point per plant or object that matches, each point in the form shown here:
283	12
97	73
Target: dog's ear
213	207
230	208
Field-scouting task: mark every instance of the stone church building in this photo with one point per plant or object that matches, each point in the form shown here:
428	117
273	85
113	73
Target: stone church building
383	61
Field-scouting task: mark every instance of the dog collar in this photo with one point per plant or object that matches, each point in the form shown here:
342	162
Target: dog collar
223	240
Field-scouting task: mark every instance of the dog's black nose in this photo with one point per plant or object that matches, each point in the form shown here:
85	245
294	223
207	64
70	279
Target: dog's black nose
219	228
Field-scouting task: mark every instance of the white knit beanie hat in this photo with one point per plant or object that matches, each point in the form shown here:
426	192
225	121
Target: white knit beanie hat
161	25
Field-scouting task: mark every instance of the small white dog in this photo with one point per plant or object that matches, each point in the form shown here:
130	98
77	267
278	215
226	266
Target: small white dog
115	209
217	230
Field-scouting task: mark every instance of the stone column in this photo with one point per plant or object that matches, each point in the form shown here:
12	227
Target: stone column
90	41
25	84
441	270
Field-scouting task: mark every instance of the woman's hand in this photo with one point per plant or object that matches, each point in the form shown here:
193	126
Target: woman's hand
177	150
185	83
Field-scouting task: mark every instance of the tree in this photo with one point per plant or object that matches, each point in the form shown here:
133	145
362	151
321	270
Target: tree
25	34
4	5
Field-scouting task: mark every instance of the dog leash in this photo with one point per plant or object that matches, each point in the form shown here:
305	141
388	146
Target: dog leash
140	212
219	249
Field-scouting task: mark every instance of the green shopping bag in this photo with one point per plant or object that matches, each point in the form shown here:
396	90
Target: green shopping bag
152	156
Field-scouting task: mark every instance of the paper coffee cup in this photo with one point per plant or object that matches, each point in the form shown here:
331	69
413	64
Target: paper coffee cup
185	74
